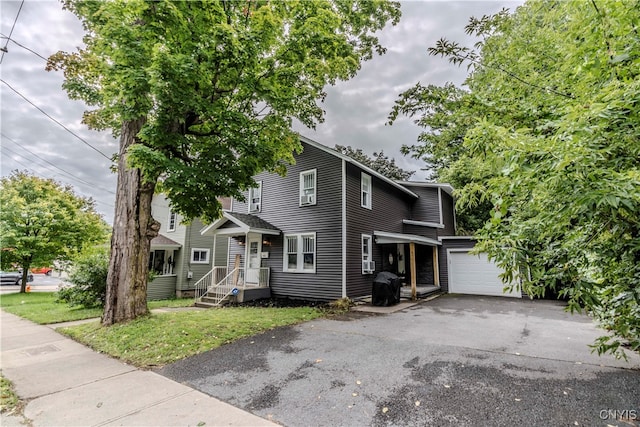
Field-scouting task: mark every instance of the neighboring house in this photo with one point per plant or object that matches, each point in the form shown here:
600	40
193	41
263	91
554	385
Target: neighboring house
180	254
322	232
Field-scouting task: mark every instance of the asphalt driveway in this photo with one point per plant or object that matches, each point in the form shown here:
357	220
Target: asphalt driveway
455	360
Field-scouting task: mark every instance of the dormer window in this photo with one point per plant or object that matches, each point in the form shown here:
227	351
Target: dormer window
308	187
255	198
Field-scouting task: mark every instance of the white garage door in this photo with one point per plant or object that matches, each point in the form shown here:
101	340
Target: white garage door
475	274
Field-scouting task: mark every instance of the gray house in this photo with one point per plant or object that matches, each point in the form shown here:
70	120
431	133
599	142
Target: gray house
330	225
322	232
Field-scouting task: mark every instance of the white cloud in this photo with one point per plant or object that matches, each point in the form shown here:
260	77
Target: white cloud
356	111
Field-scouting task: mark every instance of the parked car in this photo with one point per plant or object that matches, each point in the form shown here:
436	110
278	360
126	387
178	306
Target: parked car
42	270
13	277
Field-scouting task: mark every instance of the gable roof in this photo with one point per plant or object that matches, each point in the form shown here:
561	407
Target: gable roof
358	164
241	223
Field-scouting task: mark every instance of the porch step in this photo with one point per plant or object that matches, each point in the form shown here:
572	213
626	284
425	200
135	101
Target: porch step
206	304
421	291
210	302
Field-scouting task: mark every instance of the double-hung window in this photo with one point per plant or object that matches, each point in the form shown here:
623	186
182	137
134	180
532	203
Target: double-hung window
173	220
308	187
300	253
255	198
366	191
199	256
368	265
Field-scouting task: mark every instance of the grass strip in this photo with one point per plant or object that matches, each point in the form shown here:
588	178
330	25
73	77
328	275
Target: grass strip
42	308
163	338
9	401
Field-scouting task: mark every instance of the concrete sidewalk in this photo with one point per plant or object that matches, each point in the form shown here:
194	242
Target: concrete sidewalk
67	384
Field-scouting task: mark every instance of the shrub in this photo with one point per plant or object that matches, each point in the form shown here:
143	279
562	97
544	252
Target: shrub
89	280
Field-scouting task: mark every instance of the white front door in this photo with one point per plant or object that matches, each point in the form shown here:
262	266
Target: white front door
254	244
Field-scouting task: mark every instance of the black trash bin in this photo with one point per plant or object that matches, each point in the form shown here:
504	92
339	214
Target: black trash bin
386	289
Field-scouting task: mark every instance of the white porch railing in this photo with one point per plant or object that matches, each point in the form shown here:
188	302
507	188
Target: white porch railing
210	280
217	284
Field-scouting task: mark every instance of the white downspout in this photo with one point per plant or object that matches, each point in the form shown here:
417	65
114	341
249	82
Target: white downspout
344	229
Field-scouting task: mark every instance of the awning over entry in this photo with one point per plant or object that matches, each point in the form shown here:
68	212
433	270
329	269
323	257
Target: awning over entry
235	224
163	242
383	238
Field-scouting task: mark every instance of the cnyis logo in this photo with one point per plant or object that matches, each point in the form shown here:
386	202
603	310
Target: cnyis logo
620	414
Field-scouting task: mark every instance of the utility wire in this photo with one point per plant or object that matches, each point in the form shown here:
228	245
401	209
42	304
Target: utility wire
37	172
54	120
60	169
4	50
22	46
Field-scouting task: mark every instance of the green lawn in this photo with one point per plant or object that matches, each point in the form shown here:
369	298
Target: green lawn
42	308
9	400
160	338
163	338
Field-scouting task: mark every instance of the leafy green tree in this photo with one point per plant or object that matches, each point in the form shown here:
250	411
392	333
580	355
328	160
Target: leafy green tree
446	113
379	162
41	221
202	96
557	130
88	277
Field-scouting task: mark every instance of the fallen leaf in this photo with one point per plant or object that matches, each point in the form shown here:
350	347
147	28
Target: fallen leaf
354	394
565	393
385	410
447	386
358	382
518	400
318	360
417	403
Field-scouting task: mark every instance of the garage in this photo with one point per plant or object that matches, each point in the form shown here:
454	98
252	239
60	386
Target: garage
475	274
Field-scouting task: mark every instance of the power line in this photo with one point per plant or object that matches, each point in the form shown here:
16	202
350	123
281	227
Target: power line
4	50
39	172
54	120
60	169
22	46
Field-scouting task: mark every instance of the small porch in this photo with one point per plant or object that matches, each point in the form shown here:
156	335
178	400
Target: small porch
246	276
162	264
414	259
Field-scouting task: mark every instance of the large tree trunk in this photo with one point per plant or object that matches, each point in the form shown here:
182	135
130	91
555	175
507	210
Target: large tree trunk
133	229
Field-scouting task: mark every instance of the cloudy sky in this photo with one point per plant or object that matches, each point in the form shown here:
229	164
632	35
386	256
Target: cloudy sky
34	108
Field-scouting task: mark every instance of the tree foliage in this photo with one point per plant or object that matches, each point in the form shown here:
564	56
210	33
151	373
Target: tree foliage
554	127
217	83
42	221
88	277
203	95
379	162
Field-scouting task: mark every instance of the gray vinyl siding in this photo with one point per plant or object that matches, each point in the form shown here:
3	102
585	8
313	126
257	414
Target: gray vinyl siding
443	262
389	208
162	288
194	240
420	230
448	217
221	251
427	207
281	208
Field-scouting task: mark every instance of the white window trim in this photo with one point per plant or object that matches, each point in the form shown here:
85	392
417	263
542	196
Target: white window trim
207	251
172	224
300	254
368	264
366	178
314	196
251	193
